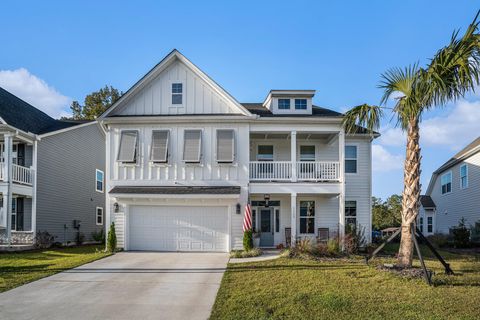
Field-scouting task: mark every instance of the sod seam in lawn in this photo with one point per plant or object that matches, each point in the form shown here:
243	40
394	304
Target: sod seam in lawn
346	289
18	268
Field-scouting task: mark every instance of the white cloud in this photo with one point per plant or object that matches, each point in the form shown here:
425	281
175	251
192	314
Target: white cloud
383	160
392	136
35	91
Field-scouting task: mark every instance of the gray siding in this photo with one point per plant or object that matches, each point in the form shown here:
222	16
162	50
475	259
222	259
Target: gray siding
66	182
459	203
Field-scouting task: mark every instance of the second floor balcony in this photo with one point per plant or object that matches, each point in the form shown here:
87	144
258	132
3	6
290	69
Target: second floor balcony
316	171
20	174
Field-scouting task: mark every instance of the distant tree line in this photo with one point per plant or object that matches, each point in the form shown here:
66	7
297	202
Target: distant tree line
386	213
94	104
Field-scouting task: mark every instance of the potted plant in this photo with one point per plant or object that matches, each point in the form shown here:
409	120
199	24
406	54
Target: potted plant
256	239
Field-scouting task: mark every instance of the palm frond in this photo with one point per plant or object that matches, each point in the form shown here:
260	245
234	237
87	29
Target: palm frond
365	116
398	81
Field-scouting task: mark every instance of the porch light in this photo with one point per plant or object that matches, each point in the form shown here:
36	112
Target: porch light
115	207
266	197
239	208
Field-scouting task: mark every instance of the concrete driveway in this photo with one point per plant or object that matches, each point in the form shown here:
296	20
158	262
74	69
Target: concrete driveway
128	285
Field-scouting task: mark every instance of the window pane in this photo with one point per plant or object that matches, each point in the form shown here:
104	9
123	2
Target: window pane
351	166
307	208
177	87
351	152
99	186
350	208
350	221
307	153
265	153
300	104
176	99
307	225
277	220
283	104
254	219
463	170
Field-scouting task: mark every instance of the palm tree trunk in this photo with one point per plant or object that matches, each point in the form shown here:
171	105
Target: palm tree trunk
411	193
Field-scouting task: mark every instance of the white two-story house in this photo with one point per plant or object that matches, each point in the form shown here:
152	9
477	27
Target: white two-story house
183	158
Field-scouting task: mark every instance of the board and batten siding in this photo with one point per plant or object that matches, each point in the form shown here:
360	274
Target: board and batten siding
358	186
460	203
66	182
156	98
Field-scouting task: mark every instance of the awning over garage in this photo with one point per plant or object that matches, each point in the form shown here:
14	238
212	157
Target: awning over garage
178	190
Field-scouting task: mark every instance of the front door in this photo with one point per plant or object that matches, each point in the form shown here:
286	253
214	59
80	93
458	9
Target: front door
266	227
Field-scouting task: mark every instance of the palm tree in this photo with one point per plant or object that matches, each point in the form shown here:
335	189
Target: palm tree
453	71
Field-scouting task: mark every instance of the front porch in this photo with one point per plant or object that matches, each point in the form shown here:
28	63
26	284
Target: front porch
302	215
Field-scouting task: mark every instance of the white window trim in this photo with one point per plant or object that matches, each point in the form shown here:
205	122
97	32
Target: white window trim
103	182
295	106
200	158
139	151
167	159
96	216
306	144
451	183
345	153
427	224
466	176
289	105
267	145
306	217
234	151
170	104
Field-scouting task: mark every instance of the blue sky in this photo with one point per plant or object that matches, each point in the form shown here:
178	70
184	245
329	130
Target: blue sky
56	51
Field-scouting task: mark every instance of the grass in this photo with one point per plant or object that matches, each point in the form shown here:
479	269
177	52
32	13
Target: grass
18	268
347	289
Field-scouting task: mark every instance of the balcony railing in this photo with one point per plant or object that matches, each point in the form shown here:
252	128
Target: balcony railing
300	171
20	174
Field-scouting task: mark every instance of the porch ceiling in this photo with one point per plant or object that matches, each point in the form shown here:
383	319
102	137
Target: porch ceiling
286	135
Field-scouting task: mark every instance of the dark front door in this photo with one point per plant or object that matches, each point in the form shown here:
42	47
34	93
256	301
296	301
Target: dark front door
266	227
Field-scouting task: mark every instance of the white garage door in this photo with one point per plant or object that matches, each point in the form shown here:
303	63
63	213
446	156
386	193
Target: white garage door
178	228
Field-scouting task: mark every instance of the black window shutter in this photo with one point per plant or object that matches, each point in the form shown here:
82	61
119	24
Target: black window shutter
20	214
21	154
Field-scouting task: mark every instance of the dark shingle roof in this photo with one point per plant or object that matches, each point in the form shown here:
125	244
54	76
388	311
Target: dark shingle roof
461	155
176	190
427	202
259	109
21	115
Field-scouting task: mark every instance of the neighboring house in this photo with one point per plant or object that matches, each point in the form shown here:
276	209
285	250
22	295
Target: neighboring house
184	158
453	192
51	174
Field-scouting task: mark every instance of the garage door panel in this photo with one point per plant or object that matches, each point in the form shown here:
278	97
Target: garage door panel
165	228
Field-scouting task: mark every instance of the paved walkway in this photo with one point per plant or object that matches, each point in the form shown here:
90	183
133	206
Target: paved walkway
128	285
266	255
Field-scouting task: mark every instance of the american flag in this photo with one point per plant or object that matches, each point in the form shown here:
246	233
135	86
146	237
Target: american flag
247	219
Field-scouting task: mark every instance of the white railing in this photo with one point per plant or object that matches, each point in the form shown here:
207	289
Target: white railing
20	174
318	171
304	171
271	170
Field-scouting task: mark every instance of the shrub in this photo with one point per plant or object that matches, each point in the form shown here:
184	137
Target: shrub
304	246
44	240
99	236
111	239
475	233
354	238
333	247
248	240
461	235
254	252
438	240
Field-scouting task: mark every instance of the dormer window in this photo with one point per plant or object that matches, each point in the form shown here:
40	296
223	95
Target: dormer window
300	104
177	93
283	104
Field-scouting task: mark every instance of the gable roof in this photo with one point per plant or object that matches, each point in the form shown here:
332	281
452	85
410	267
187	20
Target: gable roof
471	149
23	116
427	202
162	65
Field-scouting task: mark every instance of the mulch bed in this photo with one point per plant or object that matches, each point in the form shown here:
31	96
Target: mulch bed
411	273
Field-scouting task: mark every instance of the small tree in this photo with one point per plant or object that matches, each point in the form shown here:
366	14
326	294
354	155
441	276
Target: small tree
248	240
111	239
461	235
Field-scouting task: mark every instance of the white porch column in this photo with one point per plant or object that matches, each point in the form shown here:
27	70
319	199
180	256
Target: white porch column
293	154
293	210
34	190
341	196
7	199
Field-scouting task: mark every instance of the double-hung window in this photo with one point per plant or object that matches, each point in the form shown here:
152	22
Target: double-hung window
307	217
351	159
429	224
446	181
421	224
283	104
128	150
300	104
99	180
350	213
463	176
159	148
265	153
192	146
99	216
225	146
177	93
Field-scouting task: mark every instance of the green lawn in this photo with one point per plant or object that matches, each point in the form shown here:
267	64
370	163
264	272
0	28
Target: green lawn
347	289
22	267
